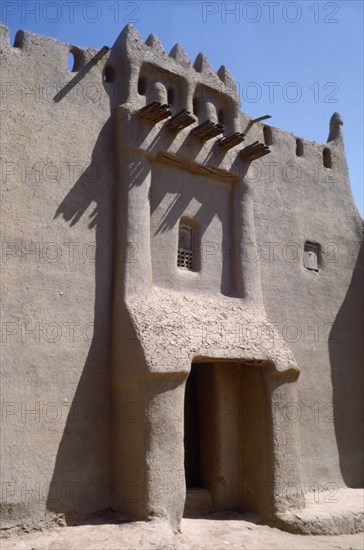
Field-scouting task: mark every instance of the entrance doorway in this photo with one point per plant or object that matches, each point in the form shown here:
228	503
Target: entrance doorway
227	436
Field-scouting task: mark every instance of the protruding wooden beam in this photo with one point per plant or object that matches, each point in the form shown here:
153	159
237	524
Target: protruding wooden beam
231	140
259	119
100	54
181	120
254	121
155	111
250	147
207	130
254	151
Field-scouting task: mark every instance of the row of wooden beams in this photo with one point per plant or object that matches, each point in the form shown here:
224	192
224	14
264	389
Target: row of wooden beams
156	111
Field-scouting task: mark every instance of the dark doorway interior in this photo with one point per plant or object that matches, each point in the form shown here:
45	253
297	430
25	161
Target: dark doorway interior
191	435
227	436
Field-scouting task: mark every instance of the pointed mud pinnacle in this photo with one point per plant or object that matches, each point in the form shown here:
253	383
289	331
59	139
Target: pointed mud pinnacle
226	77
129	38
336	123
179	54
153	42
203	66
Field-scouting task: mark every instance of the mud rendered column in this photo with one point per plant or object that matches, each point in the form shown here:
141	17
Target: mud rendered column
246	268
133	275
148	399
287	491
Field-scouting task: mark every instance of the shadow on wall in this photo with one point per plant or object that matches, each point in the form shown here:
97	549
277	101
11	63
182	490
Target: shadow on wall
346	348
82	475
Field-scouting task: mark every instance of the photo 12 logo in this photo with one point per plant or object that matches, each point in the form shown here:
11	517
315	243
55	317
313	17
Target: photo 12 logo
270	12
70	12
289	92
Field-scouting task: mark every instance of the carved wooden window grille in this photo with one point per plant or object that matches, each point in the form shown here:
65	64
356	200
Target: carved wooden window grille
185	257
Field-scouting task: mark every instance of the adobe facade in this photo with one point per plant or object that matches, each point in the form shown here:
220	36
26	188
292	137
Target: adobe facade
182	292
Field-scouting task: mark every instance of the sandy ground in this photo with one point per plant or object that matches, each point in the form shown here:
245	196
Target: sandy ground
216	531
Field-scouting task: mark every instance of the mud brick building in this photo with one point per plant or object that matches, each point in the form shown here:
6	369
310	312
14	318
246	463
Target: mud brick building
182	311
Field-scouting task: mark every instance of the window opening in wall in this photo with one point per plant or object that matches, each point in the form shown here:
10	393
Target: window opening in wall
220	117
19	40
268	135
196	106
311	256
108	75
170	96
299	147
142	85
74	60
70	61
185	257
327	158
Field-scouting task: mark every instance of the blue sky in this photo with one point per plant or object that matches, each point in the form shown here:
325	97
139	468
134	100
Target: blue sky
298	61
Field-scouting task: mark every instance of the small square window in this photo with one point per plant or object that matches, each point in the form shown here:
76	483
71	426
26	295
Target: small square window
311	256
185	255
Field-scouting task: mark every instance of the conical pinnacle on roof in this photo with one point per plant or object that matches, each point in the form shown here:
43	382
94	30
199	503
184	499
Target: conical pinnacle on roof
203	66
336	123
179	54
153	42
226	77
336	120
129	36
